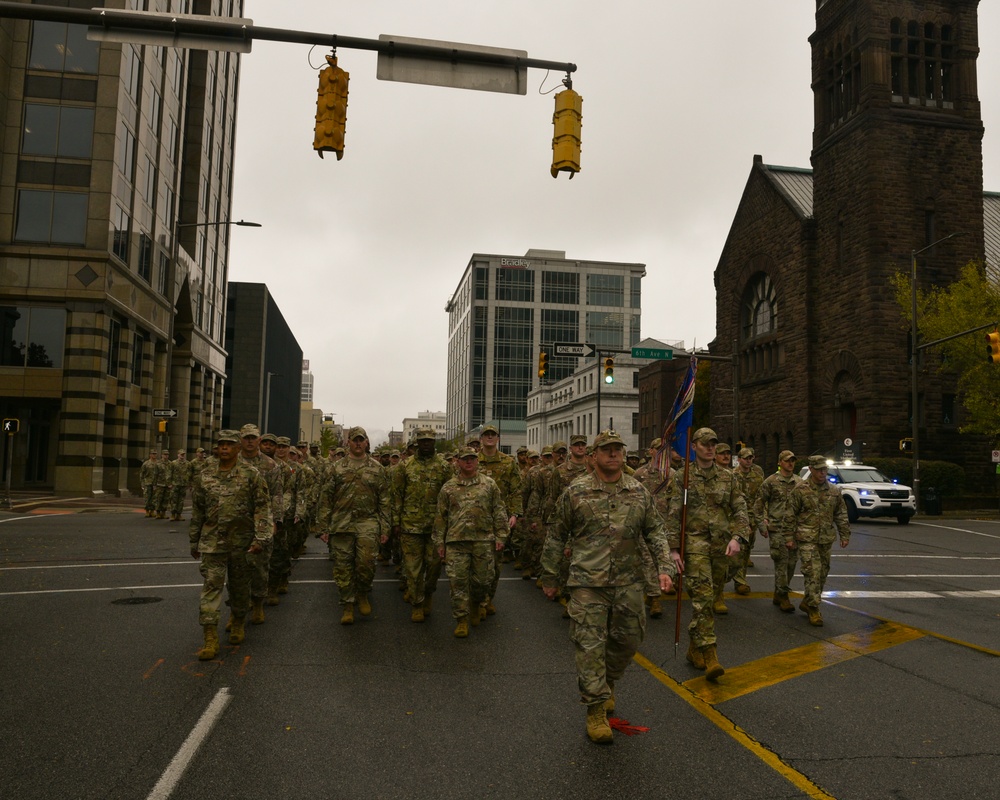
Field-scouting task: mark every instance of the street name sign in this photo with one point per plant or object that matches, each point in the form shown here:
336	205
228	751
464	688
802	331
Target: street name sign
648	352
455	73
573	349
165	412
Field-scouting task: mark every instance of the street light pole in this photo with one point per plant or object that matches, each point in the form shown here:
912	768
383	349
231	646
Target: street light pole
914	352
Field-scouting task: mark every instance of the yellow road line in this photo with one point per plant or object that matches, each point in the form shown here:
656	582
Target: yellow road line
750	677
769	757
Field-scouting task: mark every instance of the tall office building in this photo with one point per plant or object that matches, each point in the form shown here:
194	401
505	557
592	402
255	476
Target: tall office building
115	195
506	307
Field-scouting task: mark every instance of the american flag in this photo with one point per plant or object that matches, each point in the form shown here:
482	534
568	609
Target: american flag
678	423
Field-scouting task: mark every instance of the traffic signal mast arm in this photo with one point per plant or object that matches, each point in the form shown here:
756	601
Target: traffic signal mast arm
957	335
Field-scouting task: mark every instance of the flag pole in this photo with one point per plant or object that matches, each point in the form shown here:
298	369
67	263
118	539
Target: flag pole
684	506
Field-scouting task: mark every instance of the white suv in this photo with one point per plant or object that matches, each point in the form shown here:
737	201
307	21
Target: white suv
868	493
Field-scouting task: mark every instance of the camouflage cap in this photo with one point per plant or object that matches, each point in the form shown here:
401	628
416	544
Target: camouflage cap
745	452
704	435
393	453
228	435
577	438
182	452
605	438
522	449
722	447
165	453
302	443
284	441
355	432
656	444
424	433
466	452
489	429
249	430
533	454
633	454
200	450
340	451
269	437
472	439
817	462
292	451
547	450
557	446
784	455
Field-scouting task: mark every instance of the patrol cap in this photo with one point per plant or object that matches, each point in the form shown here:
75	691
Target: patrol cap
745	452
424	433
522	449
722	447
182	452
165	453
283	441
577	438
249	430
200	450
784	455
816	462
393	453
605	438
557	446
228	435
355	432
633	454
547	450
270	437
340	451
472	439
489	429
656	444
301	444
292	451
466	452
533	454
704	435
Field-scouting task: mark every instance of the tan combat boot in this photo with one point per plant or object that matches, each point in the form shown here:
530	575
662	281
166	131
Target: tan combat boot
462	627
476	614
272	596
364	607
694	656
428	598
785	605
713	669
597	724
417	615
257	611
210	649
719	605
743	588
490	608
283	587
609	704
815	618
237	632
347	618
655	608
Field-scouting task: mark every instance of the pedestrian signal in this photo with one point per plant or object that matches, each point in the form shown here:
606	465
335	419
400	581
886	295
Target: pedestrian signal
609	370
331	109
906	445
993	347
11	425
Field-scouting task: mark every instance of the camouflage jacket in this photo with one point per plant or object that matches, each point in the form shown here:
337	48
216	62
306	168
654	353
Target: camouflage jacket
771	507
147	472
600	523
271	472
470	510
561	477
229	508
659	487
355	498
415	486
535	495
181	473
816	513
750	484
716	510
504	469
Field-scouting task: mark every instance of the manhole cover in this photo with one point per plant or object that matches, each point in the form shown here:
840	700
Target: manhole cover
135	601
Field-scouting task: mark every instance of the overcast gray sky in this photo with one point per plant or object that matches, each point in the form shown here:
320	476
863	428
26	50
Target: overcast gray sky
361	255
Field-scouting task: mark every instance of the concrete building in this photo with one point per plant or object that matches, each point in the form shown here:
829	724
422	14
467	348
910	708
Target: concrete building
804	279
505	307
262	388
425	419
115	198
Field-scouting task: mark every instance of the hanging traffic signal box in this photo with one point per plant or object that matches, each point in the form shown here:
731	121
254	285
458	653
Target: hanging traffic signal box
609	370
331	109
993	347
161	425
543	363
567	121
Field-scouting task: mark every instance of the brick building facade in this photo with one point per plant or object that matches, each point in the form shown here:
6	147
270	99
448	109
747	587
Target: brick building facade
804	289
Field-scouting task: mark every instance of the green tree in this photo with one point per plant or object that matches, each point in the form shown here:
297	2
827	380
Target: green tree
327	440
971	301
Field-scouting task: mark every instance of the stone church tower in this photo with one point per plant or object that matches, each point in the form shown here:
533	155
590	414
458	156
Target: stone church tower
803	283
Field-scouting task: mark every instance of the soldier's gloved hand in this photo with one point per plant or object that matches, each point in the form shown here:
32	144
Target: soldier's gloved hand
550	592
194	551
678	561
666	584
499	545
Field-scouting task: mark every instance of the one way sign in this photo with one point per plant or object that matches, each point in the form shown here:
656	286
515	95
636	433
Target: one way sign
11	425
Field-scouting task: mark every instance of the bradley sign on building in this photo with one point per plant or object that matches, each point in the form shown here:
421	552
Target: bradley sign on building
514	263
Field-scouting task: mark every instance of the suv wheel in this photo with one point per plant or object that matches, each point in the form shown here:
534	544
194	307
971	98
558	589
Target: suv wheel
903	519
852	510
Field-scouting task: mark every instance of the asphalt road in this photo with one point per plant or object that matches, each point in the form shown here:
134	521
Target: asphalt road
102	696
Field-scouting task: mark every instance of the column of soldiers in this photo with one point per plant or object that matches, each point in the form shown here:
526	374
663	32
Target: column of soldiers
165	483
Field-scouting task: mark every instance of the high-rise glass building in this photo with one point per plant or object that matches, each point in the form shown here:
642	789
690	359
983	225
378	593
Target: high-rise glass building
503	310
115	194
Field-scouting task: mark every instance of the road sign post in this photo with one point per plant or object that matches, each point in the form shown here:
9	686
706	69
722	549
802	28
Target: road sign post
10	427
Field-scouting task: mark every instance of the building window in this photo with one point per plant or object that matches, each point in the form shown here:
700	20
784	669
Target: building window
51	217
606	290
155	112
482	277
63	131
561	287
842	82
922	61
515	285
635	292
760	308
126	153
138	353
32	336
161	275
149	190
559	325
145	258
120	230
114	347
512	364
606	329
59	47
132	73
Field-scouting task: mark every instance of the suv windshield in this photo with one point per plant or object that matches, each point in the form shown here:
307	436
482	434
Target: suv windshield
864	475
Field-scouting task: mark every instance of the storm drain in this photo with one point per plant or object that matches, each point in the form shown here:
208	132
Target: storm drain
135	601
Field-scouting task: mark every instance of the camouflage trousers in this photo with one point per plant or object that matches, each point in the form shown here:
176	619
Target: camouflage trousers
470	567
815	559
353	564
650	571
297	535
216	568
421	565
702	573
161	498
531	546
740	577
280	564
177	495
784	561
149	493
607	625
260	566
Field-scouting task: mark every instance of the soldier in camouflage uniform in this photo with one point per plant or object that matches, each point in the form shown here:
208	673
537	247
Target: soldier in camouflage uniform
470	527
540	493
532	501
415	486
230	518
600	519
503	469
161	491
355	515
180	480
306	501
816	516
280	565
147	479
717	526
561	476
659	487
724	456
750	478
772	511
260	561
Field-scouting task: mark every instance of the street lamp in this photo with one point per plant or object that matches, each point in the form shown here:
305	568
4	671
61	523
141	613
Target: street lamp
914	411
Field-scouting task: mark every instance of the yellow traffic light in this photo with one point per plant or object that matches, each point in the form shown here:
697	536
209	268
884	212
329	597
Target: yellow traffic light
567	121
609	370
993	347
331	109
543	363
162	426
